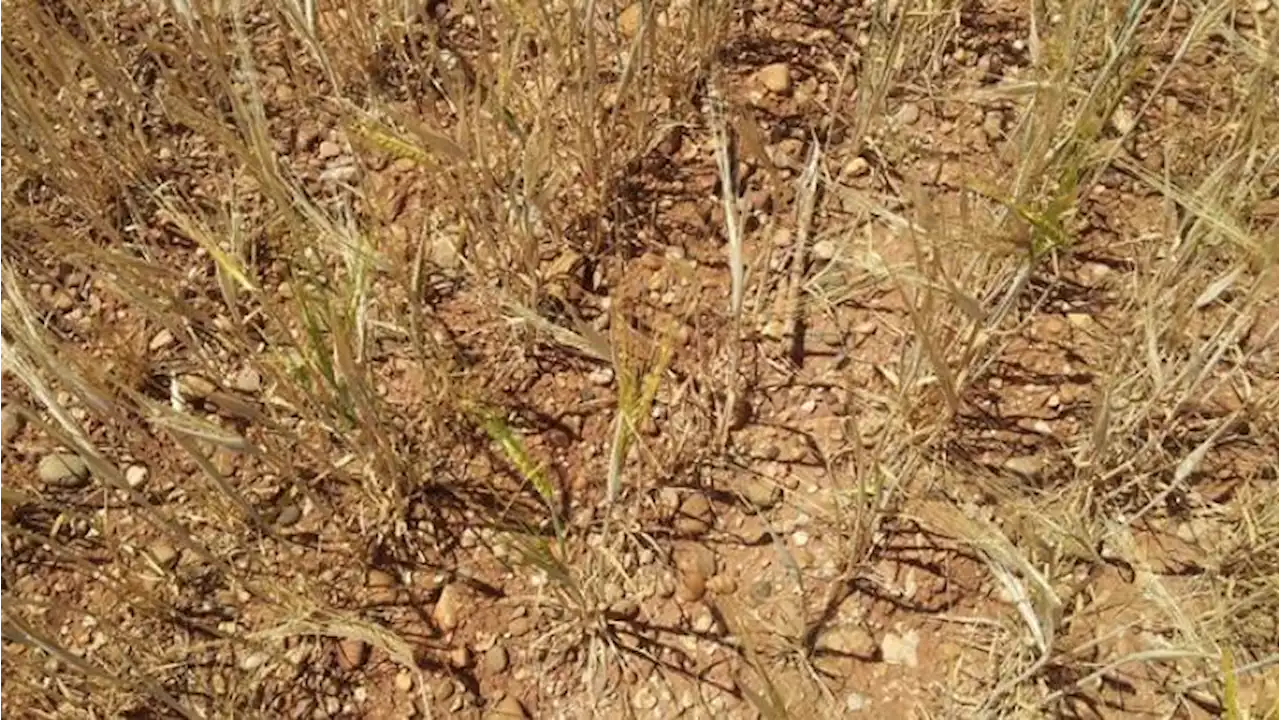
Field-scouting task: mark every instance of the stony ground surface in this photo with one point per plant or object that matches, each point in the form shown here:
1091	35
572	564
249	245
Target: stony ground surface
744	572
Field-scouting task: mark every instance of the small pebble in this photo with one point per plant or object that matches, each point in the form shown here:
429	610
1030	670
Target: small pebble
460	657
496	660
703	622
761	493
625	609
643	698
775	78
339	174
382	586
195	387
900	649
1080	320
448	610
908	114
444	690
601	376
694	516
849	640
693	585
11	423
519	626
993	126
629	20
1028	466
857	167
247	380
404	681
1122	120
253	661
63	470
722	585
289	515
352	653
135	476
163	553
160	340
509	708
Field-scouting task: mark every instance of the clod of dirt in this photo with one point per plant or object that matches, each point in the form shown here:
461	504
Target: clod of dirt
66	470
789	152
857	167
289	515
252	661
1080	320
693	585
308	133
448	611
824	249
247	380
908	114
339	174
329	150
601	376
900	649
993	125
519	626
761	493
624	609
1122	120
496	660
11	423
775	78
508	708
403	681
382	586
352	653
694	516
629	20
849	640
695	557
753	531
1028	466
163	553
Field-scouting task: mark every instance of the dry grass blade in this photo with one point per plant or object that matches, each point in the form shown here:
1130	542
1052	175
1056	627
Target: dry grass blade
725	164
806	197
18	630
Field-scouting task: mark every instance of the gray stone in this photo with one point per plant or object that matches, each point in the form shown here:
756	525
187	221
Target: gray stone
901	649
63	470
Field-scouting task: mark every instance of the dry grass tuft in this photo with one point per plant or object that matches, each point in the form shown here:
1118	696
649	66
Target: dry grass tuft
680	359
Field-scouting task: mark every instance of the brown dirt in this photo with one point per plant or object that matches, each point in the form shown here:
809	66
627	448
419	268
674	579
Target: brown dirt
793	601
